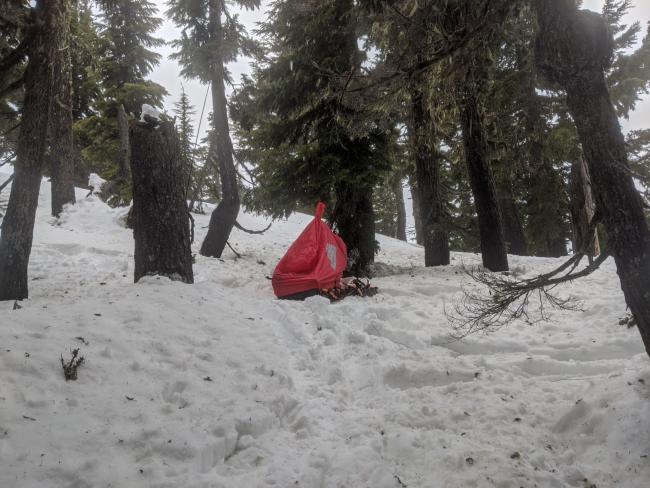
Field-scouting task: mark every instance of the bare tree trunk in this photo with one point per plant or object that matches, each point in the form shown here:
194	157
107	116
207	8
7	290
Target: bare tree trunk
583	209
124	153
18	224
493	246
574	49
427	173
161	225
62	154
512	228
224	216
398	191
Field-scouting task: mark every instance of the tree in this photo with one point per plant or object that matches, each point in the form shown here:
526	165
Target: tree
212	38
46	46
493	247
574	50
126	57
60	124
184	111
307	140
160	218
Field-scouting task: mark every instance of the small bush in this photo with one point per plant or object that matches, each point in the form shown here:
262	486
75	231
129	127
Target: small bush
70	368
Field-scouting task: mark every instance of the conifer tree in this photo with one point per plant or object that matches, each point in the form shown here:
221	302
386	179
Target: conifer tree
212	37
126	58
46	46
309	141
184	111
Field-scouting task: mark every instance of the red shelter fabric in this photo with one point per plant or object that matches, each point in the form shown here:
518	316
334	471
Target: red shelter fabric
314	261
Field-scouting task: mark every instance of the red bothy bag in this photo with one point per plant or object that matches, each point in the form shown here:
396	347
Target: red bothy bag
314	261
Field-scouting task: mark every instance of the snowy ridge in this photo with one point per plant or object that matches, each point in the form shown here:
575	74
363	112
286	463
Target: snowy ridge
219	384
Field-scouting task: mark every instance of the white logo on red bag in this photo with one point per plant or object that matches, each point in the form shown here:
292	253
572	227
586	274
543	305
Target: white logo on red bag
331	255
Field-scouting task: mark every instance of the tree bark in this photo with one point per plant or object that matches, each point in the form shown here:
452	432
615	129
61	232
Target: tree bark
124	153
161	225
18	224
430	200
398	190
62	153
574	49
493	246
354	218
223	218
583	209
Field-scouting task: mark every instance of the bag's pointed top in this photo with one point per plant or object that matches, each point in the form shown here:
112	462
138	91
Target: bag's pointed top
320	210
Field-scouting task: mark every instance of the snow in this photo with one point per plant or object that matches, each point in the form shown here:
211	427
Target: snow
219	384
150	111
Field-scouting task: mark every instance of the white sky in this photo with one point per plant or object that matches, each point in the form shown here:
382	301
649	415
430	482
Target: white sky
167	73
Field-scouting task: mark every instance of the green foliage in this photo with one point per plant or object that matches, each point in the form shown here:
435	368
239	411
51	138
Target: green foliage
291	120
197	46
113	57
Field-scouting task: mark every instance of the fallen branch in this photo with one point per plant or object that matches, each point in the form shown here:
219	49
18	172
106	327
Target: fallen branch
233	250
508	299
248	231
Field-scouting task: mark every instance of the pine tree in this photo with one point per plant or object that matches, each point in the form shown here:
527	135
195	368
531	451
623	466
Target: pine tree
309	141
574	51
184	112
46	46
213	37
126	57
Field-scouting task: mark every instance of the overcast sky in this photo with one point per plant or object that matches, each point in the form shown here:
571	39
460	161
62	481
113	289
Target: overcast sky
167	74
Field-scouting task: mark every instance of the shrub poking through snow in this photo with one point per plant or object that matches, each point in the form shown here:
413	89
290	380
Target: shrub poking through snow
70	368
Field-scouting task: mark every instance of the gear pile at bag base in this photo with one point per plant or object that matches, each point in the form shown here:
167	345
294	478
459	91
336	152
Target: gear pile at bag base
349	287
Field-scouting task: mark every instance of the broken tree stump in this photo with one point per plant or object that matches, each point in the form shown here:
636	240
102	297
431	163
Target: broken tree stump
161	225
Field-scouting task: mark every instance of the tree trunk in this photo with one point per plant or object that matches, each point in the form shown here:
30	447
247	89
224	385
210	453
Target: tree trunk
574	49
161	225
353	217
583	210
417	219
547	195
512	228
124	153
398	190
493	246
62	154
430	199
224	216
18	224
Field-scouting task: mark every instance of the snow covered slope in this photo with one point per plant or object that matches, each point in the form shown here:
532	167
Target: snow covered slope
218	384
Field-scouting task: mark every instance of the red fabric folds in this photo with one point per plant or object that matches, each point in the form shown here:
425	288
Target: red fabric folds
314	261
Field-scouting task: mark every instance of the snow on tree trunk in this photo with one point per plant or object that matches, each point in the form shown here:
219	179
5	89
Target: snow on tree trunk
161	225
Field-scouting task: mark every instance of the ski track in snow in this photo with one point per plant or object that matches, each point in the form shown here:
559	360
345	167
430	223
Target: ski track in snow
218	384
